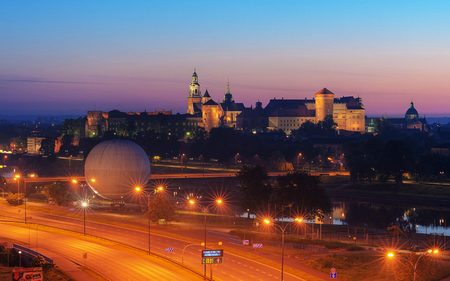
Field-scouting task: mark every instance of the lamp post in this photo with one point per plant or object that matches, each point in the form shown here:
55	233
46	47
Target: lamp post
20	258
4	164
298	161
414	265
84	205
139	189
17	178
205	210
283	229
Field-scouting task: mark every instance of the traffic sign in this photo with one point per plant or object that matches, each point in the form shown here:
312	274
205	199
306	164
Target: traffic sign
212	260
333	273
212	253
257	245
169	249
245	242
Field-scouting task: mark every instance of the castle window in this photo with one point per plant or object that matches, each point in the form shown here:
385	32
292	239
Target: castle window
195	90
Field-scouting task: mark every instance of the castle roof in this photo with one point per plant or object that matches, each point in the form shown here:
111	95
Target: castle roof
210	102
301	111
206	95
232	106
324	91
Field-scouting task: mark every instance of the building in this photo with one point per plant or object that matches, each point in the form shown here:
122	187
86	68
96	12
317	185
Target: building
410	123
289	114
212	114
34	144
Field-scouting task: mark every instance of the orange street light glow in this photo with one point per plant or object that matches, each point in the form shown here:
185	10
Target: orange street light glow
160	188
266	221
17	176
84	204
74	181
219	201
299	219
391	255
137	188
192	202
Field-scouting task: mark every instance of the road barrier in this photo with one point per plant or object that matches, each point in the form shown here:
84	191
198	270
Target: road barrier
31	252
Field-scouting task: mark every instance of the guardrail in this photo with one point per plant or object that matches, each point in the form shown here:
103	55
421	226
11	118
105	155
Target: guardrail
295	246
31	252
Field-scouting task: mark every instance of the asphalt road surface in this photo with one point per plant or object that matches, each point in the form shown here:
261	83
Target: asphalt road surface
233	268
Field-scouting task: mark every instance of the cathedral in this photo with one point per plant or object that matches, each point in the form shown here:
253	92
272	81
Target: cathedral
212	114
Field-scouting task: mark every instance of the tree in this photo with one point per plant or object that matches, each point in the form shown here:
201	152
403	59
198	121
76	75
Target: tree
47	146
161	208
302	192
397	159
57	191
73	127
15	198
255	188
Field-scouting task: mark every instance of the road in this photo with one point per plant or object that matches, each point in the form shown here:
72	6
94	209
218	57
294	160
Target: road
110	261
233	268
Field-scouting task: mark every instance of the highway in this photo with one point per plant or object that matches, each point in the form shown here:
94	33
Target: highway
110	261
233	268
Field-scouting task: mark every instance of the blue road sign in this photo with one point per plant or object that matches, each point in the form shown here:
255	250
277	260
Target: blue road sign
212	253
245	242
333	275
169	249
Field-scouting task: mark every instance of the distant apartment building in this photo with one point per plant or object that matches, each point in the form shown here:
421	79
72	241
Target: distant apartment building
34	144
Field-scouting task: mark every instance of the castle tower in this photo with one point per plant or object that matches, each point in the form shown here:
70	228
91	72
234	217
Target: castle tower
228	97
324	104
195	96
206	97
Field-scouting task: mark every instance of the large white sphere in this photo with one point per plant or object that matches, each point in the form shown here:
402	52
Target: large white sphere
114	168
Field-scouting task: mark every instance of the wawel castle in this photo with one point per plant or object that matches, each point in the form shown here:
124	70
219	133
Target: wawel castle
202	111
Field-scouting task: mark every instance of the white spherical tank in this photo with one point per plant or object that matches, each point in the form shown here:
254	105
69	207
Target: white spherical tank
114	168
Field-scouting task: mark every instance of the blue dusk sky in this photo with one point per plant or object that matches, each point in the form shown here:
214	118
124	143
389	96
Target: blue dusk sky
68	57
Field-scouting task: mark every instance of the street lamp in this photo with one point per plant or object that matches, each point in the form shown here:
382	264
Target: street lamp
283	229
20	258
205	210
17	177
139	189
298	161
414	265
84	205
4	164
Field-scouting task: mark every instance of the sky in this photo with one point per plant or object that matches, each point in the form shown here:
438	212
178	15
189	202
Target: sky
68	57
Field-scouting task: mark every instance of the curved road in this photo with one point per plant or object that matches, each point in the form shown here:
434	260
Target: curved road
112	262
233	268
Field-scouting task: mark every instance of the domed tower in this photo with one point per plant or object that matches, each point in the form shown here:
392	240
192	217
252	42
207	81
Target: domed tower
411	113
324	104
195	96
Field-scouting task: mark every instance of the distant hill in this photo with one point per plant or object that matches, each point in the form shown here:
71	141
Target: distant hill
440	120
34	117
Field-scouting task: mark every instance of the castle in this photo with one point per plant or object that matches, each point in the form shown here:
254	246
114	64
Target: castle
202	111
285	114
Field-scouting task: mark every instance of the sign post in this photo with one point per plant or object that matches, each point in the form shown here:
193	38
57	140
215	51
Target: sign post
212	257
333	273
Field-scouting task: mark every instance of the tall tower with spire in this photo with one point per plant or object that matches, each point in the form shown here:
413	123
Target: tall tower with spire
195	96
